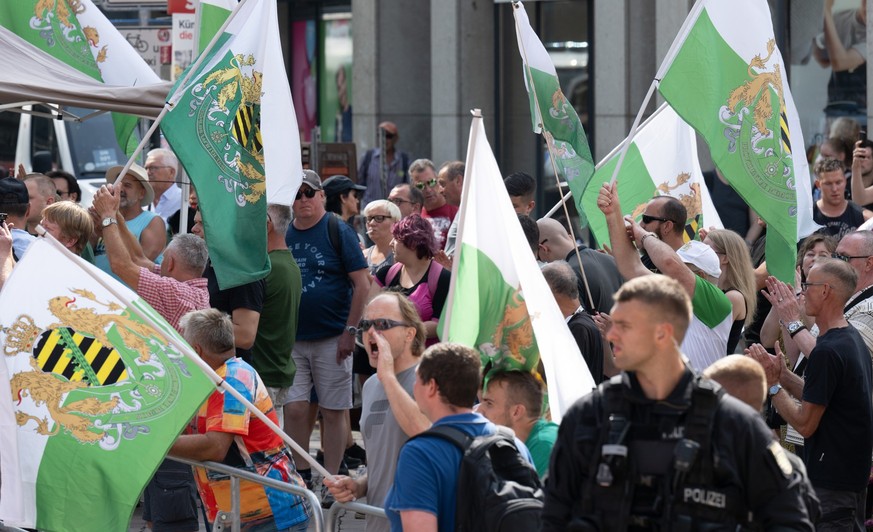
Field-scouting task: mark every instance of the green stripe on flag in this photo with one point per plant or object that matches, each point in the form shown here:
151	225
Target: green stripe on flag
490	315
635	188
710	87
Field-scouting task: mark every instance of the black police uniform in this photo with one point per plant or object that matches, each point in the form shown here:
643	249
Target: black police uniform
698	460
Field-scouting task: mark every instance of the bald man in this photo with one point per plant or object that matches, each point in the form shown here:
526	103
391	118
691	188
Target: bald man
600	268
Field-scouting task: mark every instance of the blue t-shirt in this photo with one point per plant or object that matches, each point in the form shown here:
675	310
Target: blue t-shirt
427	473
327	291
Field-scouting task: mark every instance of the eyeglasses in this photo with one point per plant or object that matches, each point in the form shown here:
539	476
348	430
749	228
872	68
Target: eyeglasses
649	219
398	201
381	324
805	286
155	167
378	218
544	241
847	258
309	193
429	183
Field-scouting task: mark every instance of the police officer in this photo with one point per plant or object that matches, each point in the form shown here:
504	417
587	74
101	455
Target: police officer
660	448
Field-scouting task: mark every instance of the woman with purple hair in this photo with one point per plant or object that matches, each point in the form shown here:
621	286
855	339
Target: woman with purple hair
415	273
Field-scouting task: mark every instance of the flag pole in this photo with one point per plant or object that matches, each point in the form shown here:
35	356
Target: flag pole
606	159
188	352
665	64
590	299
171	101
465	193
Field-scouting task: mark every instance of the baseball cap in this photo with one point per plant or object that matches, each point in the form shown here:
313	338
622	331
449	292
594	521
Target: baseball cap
13	192
390	127
311	178
140	174
339	184
699	254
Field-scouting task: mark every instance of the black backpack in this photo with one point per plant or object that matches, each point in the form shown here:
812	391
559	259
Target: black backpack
498	490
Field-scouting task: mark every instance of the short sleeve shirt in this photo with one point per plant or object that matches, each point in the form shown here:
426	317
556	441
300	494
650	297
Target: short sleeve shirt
248	296
172	299
327	290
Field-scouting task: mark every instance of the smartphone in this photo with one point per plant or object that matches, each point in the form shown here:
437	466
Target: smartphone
2	217
863	134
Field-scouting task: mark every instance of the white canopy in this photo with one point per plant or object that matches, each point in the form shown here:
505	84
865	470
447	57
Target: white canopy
29	75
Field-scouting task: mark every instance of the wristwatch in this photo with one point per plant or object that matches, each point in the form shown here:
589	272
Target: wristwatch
108	221
794	327
774	389
351	329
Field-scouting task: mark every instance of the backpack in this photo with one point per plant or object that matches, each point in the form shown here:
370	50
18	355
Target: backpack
498	490
433	276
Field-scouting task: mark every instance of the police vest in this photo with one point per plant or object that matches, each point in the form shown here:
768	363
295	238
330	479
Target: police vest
655	472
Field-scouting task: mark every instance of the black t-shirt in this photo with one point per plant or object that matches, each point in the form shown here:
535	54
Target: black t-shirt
590	343
839	376
838	226
604	280
249	296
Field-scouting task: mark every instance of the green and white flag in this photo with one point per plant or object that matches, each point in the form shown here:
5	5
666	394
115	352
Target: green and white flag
551	112
499	301
661	161
209	16
91	397
84	39
724	75
234	129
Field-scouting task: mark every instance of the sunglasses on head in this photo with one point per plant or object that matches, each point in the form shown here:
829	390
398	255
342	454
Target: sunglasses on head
649	219
429	183
378	218
381	324
309	193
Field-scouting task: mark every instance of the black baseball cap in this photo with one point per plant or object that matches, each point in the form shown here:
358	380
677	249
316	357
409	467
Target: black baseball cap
340	184
13	192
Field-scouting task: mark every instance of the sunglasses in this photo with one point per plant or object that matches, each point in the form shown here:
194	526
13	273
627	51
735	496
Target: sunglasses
649	219
309	193
430	183
381	324
847	258
390	136
378	218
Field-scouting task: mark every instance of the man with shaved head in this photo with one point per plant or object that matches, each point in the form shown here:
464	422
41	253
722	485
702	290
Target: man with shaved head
600	269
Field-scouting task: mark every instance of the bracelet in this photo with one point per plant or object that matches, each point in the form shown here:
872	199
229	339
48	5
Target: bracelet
643	240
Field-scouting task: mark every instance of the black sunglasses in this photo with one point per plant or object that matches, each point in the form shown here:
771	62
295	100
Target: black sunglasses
847	258
649	219
309	193
381	324
378	218
390	135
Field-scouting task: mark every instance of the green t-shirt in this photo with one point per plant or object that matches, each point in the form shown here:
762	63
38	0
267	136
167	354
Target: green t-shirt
277	327
540	442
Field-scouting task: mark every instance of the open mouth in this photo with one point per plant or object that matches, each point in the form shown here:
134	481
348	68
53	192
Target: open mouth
374	349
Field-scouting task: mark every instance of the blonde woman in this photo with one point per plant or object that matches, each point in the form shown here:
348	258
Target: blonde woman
737	279
380	215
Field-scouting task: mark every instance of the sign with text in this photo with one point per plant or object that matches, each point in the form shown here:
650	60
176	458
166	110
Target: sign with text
153	44
181	6
183	43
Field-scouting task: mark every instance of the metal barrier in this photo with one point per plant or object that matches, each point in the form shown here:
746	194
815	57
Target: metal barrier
232	518
332	515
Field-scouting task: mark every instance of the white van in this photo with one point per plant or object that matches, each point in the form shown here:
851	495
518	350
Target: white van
85	148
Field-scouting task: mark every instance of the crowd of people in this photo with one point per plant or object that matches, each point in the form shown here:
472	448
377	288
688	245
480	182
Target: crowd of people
360	276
